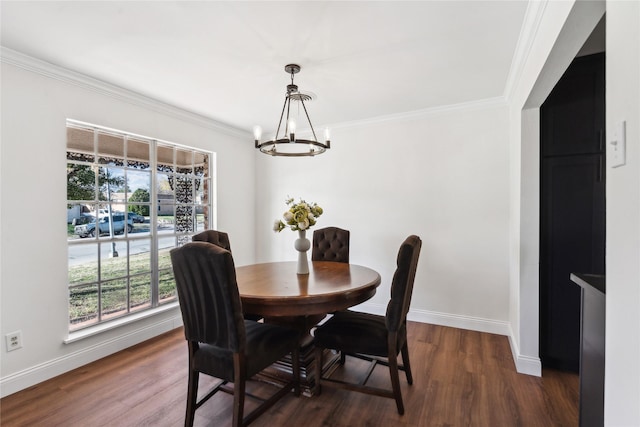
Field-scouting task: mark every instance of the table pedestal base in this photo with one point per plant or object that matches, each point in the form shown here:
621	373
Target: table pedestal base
280	372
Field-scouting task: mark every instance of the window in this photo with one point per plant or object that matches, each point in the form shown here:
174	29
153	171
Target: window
130	200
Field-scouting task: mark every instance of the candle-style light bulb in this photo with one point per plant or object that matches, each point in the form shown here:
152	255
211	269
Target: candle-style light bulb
327	134
257	134
292	130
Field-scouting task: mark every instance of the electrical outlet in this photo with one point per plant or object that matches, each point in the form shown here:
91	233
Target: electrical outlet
14	340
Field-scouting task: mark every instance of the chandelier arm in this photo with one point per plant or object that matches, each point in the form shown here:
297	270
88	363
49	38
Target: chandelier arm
309	120
286	126
282	114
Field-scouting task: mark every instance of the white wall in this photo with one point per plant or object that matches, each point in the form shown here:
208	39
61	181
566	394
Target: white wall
442	175
33	186
622	369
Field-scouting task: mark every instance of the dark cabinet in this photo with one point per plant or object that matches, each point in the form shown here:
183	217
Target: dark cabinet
572	205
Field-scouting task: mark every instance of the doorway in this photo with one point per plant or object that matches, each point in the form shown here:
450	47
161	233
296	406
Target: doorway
572	204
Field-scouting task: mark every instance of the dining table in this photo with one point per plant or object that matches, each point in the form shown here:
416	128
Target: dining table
274	291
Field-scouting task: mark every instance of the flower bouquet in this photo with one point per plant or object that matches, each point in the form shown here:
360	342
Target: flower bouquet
300	216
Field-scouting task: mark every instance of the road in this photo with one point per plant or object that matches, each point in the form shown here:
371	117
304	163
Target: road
85	253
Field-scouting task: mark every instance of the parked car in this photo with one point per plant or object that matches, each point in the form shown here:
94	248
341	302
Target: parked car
84	218
119	224
136	217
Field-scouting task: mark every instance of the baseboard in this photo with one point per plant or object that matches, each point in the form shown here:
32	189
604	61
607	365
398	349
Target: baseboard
528	365
44	371
444	319
524	364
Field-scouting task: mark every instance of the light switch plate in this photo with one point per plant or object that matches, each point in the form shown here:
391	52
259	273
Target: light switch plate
619	145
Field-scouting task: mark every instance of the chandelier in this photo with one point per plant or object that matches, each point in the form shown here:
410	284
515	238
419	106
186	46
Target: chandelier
288	144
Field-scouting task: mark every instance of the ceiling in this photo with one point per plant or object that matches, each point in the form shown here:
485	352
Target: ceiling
225	59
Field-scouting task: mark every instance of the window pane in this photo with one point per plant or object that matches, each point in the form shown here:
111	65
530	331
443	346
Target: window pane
166	285
201	189
184	161
164	183
184	189
112	183
114	297
140	291
80	141
201	162
184	219
165	158
113	260
81	182
83	264
166	282
138	154
139	256
165	219
138	185
110	149
201	224
83	305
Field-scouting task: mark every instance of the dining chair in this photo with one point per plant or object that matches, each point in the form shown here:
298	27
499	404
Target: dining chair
221	239
216	237
377	339
330	244
221	342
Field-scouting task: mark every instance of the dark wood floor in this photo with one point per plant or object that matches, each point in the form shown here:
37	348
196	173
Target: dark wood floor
461	378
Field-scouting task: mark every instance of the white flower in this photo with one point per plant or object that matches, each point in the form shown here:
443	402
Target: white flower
276	225
288	216
303	225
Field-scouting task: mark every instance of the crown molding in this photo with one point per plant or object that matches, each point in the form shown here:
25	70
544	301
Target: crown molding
75	78
528	32
481	104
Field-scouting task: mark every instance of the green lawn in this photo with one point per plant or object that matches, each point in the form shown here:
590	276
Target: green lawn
83	300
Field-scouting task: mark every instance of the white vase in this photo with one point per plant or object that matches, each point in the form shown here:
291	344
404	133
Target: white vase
302	245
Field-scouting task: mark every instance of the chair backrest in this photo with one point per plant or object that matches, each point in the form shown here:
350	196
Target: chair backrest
208	295
219	238
402	284
330	244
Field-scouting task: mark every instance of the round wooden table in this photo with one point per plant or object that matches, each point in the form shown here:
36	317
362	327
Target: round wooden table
274	291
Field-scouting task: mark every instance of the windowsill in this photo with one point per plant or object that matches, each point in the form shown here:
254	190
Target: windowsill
108	326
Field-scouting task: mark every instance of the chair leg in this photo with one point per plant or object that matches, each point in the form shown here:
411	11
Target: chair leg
238	390
392	340
192	395
406	363
395	382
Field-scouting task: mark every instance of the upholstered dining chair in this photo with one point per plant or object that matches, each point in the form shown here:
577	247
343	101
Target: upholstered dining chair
221	342
216	237
330	244
221	239
377	339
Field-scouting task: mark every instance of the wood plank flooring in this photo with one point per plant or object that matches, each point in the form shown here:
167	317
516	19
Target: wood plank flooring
461	378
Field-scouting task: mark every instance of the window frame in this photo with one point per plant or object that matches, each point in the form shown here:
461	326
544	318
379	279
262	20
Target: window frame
200	181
